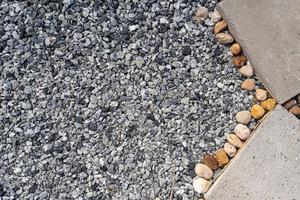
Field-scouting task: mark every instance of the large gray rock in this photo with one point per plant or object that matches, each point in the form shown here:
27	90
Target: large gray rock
269	33
267	167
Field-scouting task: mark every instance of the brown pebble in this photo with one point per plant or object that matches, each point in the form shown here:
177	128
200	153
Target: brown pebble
220	26
295	110
298	98
210	161
235	49
289	104
239	61
221	157
248	84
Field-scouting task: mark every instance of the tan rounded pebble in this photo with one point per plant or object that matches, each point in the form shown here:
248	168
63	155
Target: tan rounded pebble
224	38
243	117
289	104
210	161
235	49
268	104
230	149
242	131
203	171
257	111
261	94
239	61
247	71
221	157
234	140
295	110
201	14
220	26
201	185
215	16
248	84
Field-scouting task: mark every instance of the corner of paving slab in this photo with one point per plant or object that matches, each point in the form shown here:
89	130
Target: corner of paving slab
253	168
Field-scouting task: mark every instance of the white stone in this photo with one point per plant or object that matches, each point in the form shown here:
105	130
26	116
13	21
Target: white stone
242	131
261	94
133	28
230	149
17	170
215	16
163	21
201	185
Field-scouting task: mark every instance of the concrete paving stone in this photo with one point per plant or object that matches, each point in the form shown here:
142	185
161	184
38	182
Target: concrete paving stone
267	167
269	33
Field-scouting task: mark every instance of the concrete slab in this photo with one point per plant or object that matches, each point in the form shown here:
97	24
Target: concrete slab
269	32
267	168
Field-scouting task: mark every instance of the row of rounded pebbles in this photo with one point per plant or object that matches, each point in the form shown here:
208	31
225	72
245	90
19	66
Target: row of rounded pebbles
262	104
293	106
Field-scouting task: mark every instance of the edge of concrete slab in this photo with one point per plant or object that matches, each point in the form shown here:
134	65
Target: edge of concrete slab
242	43
235	160
249	54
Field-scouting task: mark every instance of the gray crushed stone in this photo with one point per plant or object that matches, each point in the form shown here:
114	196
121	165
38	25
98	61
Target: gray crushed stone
110	99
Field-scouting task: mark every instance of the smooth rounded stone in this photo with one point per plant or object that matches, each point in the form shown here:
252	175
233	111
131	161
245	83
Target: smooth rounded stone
242	131
221	157
215	16
257	111
201	185
203	171
201	14
210	161
261	94
289	104
236	49
224	38
248	84
268	104
239	61
247	71
243	117
295	110
298	98
230	149
234	140
220	26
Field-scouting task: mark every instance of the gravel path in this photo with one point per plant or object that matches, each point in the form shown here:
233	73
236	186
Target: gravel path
110	100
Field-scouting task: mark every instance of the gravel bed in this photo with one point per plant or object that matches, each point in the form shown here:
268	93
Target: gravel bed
106	100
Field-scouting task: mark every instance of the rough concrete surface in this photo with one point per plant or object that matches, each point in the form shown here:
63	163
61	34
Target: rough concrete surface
268	166
269	32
